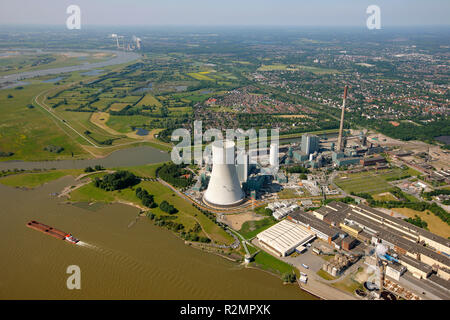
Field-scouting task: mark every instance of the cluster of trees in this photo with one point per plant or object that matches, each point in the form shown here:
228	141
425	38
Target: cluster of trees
147	199
171	173
289	277
263	211
167	207
417	222
344	200
404	176
408	131
116	181
297	169
418	206
6	153
434	193
96	168
364	195
191	235
53	148
165	221
188	236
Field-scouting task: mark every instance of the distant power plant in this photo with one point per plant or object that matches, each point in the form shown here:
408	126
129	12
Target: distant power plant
224	188
135	43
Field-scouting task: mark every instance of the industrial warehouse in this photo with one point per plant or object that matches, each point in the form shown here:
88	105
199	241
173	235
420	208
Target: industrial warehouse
349	231
285	237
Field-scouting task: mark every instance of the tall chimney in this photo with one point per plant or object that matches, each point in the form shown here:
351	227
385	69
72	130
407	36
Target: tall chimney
340	145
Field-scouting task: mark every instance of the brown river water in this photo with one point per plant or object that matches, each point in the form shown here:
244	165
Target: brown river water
118	259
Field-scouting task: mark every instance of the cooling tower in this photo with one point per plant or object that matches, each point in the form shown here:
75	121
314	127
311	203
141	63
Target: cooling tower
224	189
273	155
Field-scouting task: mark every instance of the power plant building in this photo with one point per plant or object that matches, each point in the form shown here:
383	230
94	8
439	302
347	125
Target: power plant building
273	158
310	143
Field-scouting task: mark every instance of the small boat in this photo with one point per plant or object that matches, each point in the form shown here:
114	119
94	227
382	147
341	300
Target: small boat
71	239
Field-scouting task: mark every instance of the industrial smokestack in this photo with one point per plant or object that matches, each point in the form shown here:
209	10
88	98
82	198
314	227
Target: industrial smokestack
340	145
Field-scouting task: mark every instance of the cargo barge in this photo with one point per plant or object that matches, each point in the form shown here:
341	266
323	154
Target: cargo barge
58	234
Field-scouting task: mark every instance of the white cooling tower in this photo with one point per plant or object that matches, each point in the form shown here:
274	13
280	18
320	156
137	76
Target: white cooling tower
273	155
224	188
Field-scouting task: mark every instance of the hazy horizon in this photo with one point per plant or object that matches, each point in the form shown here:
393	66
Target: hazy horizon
197	13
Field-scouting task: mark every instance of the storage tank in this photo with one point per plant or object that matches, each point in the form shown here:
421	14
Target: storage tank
224	188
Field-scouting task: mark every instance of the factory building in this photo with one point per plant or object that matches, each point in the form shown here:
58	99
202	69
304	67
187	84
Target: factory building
418	269
319	228
310	143
254	183
395	271
372	161
419	250
283	238
347	161
300	156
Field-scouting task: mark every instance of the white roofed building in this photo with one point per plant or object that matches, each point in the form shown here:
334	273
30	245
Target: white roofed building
282	238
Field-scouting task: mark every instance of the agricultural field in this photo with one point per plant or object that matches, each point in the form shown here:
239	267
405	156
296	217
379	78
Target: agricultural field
200	76
272	67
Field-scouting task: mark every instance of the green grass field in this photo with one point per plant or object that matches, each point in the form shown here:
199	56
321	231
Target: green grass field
251	228
32	180
370	181
27	131
272	67
325	275
149	100
187	215
268	262
200	76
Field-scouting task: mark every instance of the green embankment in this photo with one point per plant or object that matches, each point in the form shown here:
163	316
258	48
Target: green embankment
267	262
32	180
187	215
251	228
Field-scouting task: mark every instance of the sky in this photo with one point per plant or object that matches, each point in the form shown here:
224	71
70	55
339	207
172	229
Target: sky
226	12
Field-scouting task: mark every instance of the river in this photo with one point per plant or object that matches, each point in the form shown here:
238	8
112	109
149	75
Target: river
118	260
134	156
120	58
